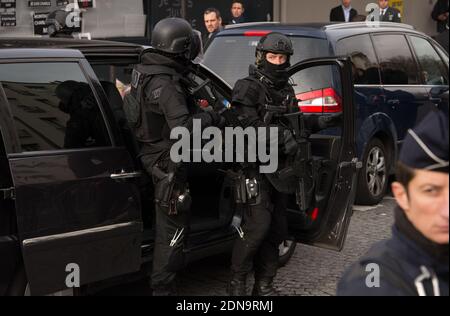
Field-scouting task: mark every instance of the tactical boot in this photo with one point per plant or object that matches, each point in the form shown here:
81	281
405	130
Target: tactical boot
264	287
165	290
237	287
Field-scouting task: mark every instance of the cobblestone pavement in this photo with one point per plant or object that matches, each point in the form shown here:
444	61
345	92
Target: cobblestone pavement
311	271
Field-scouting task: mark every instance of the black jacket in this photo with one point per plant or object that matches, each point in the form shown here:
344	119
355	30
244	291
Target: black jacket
442	39
391	15
440	7
238	20
166	105
251	95
337	14
406	265
209	37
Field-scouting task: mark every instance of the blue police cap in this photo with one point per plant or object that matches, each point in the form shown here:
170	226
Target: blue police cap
426	146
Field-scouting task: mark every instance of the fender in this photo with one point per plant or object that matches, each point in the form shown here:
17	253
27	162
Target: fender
372	125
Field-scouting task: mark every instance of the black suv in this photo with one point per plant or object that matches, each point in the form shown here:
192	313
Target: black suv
73	191
399	76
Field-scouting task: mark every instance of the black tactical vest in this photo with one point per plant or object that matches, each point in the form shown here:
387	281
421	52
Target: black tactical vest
142	105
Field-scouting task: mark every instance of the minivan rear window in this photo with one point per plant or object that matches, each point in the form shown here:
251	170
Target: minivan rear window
230	56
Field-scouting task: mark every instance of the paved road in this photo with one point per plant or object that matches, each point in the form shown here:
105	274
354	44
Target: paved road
311	271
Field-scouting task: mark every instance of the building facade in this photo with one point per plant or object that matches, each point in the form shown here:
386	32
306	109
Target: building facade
135	18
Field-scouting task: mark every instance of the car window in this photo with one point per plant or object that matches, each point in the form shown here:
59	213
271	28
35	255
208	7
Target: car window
230	56
117	75
364	61
398	66
317	78
53	106
433	70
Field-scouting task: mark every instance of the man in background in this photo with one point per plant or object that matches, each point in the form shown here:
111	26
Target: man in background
237	12
440	15
343	13
389	14
213	24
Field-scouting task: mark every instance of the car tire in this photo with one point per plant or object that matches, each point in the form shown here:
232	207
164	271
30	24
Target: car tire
287	249
373	177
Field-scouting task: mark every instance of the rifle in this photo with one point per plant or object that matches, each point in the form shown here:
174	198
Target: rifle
299	169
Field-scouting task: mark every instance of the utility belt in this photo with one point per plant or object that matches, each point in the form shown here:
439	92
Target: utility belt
247	190
247	193
170	193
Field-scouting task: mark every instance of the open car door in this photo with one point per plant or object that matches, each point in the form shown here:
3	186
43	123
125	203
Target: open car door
325	220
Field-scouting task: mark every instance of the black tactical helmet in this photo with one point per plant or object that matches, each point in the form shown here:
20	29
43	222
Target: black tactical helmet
175	36
56	22
276	43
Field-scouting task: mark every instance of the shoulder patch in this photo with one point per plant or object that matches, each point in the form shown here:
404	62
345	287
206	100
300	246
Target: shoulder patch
156	94
135	78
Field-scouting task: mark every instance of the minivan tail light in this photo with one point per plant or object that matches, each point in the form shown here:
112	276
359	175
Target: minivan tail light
256	33
320	101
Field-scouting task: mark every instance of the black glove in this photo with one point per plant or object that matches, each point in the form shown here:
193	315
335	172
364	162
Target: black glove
216	119
290	145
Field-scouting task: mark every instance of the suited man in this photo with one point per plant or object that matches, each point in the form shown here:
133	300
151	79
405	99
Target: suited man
237	12
440	15
343	13
213	24
387	13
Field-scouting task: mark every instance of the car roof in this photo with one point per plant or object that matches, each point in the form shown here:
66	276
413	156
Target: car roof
88	47
27	53
319	30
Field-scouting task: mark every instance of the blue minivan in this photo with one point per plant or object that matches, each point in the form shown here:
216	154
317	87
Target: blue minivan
399	75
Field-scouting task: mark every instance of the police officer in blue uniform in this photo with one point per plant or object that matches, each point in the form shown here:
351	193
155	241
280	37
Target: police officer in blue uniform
389	14
415	261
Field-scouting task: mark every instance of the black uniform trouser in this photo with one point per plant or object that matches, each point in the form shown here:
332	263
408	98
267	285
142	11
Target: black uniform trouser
168	256
168	259
265	228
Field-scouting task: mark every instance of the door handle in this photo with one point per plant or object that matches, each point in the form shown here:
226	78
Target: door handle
436	101
126	175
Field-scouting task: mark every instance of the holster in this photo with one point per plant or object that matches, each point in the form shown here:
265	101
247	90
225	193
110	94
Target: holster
164	185
246	191
170	194
239	188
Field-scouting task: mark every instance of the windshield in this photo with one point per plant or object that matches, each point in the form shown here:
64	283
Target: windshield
230	56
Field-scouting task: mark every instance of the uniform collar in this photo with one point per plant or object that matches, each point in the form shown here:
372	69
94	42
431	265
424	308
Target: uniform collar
417	245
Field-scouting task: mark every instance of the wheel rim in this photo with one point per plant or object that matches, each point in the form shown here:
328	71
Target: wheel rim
376	171
285	247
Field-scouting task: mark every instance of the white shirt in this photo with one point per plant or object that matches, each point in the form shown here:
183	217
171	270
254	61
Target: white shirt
347	12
